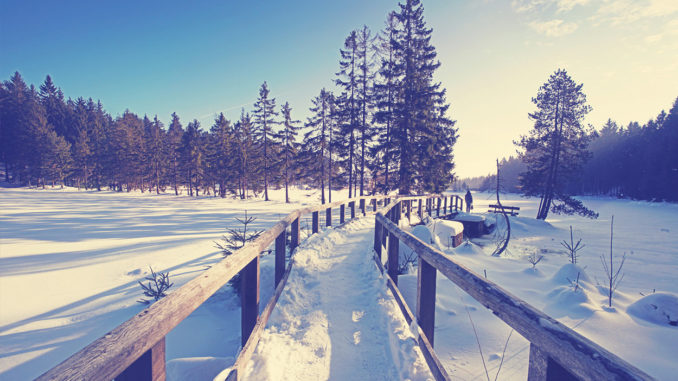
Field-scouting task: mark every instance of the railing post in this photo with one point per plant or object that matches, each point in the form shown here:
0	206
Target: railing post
294	239
445	206
374	202
438	207
393	257
362	206
149	367
315	222
396	212
280	242
426	298
249	290
352	206
328	217
419	211
409	210
377	238
342	211
538	367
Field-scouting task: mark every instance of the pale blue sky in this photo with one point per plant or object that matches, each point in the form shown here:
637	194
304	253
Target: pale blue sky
203	57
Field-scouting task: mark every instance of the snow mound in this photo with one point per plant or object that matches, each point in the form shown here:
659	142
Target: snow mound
659	308
197	368
466	217
468	248
444	231
568	273
568	301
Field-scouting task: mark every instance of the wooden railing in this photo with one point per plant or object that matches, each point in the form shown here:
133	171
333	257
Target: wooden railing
135	350
556	351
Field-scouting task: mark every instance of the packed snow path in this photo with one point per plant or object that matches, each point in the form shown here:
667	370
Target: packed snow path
336	318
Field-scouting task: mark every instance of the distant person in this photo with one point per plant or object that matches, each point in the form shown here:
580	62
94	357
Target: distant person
469	201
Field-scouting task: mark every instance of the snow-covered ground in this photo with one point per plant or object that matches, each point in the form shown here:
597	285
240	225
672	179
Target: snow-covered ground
336	318
646	232
70	261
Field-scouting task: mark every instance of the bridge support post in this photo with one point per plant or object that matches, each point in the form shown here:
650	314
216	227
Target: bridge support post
351	205
445	205
280	253
438	207
409	210
149	367
393	257
362	206
377	238
315	222
294	238
328	217
249	289
426	298
342	212
374	202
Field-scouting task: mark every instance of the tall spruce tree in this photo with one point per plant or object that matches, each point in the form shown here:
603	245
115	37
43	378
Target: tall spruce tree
192	156
222	151
244	141
555	149
289	145
316	140
347	79
417	108
173	147
385	93
366	53
264	112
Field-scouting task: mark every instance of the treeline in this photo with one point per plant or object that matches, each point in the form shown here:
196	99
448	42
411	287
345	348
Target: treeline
636	161
385	128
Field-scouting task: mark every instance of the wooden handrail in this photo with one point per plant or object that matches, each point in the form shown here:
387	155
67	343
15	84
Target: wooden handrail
555	350
144	334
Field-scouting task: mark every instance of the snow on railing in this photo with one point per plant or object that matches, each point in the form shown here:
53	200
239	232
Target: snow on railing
556	351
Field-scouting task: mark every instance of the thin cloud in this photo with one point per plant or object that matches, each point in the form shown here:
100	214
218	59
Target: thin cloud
626	11
553	28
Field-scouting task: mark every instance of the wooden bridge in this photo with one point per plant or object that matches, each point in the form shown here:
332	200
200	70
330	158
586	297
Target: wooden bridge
135	350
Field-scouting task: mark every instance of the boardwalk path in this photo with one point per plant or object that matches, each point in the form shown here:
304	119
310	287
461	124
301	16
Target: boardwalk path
336	319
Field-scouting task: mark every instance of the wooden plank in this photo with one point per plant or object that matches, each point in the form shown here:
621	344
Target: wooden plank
426	298
280	254
328	217
351	205
249	299
445	205
374	203
377	238
362	206
149	367
419	210
438	207
585	359
342	213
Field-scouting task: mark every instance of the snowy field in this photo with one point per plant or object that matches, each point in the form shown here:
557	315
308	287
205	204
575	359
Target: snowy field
70	261
646	232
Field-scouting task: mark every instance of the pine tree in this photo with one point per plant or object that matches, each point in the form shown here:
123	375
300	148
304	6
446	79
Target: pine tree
173	147
385	92
245	146
155	152
222	153
365	43
347	78
316	140
556	147
417	108
264	112
52	99
192	156
289	146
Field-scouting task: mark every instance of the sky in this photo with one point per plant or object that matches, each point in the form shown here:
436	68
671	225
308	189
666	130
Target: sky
200	58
